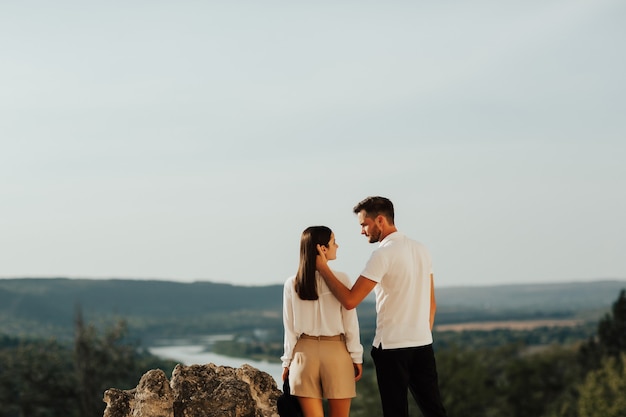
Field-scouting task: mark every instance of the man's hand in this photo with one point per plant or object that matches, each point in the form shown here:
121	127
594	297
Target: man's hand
348	297
320	260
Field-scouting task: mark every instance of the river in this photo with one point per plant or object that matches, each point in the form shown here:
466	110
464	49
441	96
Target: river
198	355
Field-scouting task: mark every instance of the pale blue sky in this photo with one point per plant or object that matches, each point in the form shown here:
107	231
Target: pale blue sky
195	140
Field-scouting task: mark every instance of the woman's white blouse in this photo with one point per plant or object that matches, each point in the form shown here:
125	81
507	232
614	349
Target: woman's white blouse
322	317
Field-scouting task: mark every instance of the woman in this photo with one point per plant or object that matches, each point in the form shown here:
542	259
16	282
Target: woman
323	355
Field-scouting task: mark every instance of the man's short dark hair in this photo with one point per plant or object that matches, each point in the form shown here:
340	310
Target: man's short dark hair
375	206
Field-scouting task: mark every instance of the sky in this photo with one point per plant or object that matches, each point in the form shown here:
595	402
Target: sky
196	140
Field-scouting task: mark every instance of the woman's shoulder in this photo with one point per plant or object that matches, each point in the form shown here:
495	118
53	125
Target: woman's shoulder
290	282
343	277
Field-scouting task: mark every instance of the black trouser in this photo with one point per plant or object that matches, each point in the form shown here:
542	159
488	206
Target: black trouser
408	369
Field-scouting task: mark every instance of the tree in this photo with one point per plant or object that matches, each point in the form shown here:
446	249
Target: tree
602	393
610	339
537	382
471	380
45	378
36	380
101	362
612	328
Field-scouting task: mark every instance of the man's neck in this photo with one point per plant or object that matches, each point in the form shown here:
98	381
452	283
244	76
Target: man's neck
387	231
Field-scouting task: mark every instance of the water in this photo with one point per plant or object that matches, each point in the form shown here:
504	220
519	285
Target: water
194	354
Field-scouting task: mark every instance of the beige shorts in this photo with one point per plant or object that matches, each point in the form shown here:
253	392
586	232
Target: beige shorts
322	369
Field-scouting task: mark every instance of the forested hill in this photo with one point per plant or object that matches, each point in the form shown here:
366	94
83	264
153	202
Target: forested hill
51	297
30	305
48	306
543	297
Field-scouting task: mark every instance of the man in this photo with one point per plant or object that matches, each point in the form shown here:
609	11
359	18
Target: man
400	271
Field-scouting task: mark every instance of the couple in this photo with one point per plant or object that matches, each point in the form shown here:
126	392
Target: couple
323	355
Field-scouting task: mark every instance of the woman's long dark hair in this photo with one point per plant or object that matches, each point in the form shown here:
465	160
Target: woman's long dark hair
306	284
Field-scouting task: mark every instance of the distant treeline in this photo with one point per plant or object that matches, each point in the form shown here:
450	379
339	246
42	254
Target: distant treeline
164	309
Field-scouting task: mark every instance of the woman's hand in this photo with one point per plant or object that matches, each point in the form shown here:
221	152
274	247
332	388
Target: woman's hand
358	371
285	373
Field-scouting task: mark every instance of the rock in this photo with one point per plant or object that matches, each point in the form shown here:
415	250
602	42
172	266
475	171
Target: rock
197	391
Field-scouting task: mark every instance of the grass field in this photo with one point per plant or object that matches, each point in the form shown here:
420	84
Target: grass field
513	325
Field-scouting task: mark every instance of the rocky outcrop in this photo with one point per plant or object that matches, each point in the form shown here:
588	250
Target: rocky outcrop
197	391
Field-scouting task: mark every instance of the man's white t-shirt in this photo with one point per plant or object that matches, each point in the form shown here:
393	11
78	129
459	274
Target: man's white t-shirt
401	267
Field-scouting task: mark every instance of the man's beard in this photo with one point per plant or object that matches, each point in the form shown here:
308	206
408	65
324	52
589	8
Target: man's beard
375	236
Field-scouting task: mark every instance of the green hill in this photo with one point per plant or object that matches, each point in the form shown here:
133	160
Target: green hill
56	298
46	307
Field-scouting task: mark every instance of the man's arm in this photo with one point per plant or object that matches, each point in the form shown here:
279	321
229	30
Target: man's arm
433	302
349	298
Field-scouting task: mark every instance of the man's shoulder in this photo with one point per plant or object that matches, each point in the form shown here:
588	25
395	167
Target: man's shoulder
397	241
410	240
399	238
